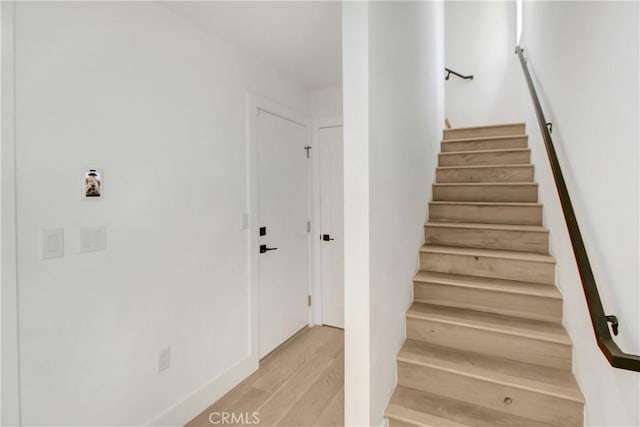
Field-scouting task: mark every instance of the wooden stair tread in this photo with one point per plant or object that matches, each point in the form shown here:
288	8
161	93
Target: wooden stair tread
487	283
486	320
441	202
406	402
495	150
418	418
515	237
488	126
540	379
484	138
477	211
482	226
534	329
491	130
516	165
489	253
486	184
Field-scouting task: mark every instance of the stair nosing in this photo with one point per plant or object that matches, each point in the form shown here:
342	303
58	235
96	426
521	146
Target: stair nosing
471	325
488	126
484	138
490	253
414	422
511	165
488	226
514	290
511	381
497	204
477	184
496	150
486	410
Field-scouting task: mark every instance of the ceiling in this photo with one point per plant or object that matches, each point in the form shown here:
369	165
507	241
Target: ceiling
302	39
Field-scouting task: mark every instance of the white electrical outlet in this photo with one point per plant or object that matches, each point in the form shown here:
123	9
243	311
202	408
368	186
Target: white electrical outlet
164	359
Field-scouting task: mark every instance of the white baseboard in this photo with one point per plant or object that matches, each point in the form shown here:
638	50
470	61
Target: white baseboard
183	412
385	422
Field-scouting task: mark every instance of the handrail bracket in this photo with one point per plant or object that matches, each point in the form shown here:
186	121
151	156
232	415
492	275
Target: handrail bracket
614	324
449	72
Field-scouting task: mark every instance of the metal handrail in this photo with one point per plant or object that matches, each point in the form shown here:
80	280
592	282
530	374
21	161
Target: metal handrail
449	72
616	357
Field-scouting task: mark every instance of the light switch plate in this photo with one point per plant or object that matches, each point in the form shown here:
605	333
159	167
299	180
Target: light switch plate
52	243
93	239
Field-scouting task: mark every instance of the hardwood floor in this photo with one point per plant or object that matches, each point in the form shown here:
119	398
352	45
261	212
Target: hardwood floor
299	384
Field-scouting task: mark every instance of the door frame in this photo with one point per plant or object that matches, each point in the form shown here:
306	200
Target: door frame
257	103
318	124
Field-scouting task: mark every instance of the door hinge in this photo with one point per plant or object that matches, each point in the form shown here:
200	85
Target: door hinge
309	301
308	226
308	148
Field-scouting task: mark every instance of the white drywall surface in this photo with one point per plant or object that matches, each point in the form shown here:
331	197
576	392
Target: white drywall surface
389	168
326	103
583	57
355	78
160	107
480	38
9	382
406	115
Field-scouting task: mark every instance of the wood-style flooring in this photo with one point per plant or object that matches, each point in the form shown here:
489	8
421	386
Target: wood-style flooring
299	384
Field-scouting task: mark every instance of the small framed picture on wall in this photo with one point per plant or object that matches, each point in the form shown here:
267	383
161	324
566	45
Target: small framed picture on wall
92	184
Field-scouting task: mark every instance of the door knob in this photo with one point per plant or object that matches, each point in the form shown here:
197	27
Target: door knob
264	248
327	237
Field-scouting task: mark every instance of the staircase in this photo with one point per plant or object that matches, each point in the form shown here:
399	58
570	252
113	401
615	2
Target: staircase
485	341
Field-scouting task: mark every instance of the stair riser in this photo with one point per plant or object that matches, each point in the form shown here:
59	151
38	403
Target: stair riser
493	343
517	305
398	423
499	130
499	268
486	174
486	144
491	395
524	215
527	241
485	193
479	158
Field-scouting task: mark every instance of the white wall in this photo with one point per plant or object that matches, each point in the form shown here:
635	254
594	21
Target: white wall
406	115
326	103
9	383
396	101
160	107
480	38
355	86
584	60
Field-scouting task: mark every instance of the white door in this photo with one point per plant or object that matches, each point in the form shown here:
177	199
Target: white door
283	261
332	225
